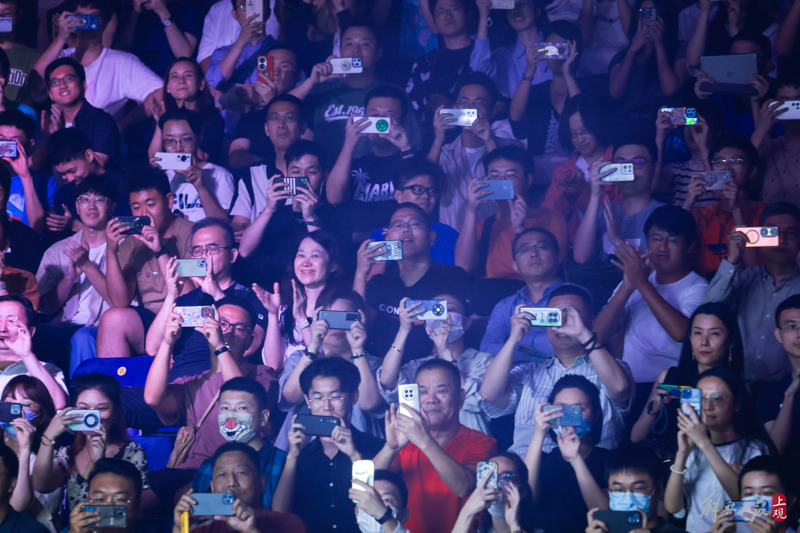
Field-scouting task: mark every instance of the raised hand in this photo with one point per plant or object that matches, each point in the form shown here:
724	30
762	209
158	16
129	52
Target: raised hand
297	439
319	328
395	439
520	324
357	335
476	191
172	328
342	437
737	241
243	518
442	123
56	222
518	210
270	300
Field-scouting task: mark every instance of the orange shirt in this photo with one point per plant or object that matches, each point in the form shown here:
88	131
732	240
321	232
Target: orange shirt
434	507
714	225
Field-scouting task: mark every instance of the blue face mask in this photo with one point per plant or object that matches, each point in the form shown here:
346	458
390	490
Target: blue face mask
582	430
629	501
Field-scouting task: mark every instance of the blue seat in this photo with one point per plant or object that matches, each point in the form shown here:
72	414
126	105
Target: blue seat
129	371
158	448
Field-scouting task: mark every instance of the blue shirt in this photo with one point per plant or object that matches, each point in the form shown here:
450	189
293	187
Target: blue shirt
443	249
214	75
535	347
45	188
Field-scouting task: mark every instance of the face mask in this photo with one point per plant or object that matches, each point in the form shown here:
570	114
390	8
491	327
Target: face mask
236	427
581	430
629	501
456	326
367	524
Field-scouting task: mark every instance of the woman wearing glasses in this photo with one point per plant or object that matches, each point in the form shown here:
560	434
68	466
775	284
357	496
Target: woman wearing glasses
712	446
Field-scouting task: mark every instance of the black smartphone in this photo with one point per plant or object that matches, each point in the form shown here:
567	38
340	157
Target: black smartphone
620	521
321	426
10	411
339	319
134	225
110	515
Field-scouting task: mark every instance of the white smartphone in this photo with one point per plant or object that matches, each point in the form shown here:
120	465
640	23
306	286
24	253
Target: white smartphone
255	7
622	172
463	117
174	161
502	4
364	471
346	65
376	125
6	24
792	109
408	395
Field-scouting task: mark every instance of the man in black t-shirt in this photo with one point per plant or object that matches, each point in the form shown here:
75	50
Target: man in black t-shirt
415	276
365	183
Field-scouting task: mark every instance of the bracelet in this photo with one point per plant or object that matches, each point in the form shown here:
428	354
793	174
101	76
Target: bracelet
305	324
222	350
675	471
386	516
45	437
359	356
310	355
312	221
396	348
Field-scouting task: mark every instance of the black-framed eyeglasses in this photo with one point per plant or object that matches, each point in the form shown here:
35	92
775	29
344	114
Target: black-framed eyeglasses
240	330
111	500
211	249
183	141
419	190
637	162
735	162
69	78
96	200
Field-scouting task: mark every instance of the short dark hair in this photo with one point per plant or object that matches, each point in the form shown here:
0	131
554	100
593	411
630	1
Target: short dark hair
792	302
330	294
67	144
567	30
286	98
118	467
64	62
331	367
674	220
635	458
410	168
192	118
732	140
571	289
30	314
239	299
361	22
229	447
779	208
389	91
105	7
635	139
395	479
303	147
440	364
211	222
10	460
535	229
426	219
100	185
574	381
510	152
595	115
771	464
17	119
478	78
145	177
250	386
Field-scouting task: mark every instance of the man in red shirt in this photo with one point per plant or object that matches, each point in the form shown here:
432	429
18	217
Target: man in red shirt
435	454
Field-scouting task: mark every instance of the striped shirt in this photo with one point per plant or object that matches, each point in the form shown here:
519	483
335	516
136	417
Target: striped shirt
531	384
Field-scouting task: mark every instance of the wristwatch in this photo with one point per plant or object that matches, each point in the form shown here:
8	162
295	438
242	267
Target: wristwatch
386	516
167	23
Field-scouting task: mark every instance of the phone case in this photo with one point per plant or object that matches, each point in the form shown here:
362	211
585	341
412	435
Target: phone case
90	421
792	109
691	399
759	236
8	149
501	189
321	426
346	65
110	515
432	309
376	125
194	315
90	22
571	415
339	319
174	161
189	268
554	50
364	471
681	116
544	316
673	390
619	521
394	250
623	172
294	183
6	24
502	4
255	7
265	66
408	395
716	179
213	504
134	224
10	411
463	117
484	467
747	511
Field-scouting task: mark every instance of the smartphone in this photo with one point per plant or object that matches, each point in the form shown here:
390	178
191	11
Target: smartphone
110	515
8	149
375	125
681	116
408	395
622	172
484	467
346	65
691	399
544	316
265	67
673	390
339	319
10	411
759	236
571	415
501	189
463	117
294	183
193	316
321	426
364	471
394	250
619	521
191	268
134	224
174	161
716	179
792	109
213	504
430	309
553	50
89	421
748	511
502	4
647	15
255	7
6	24
88	22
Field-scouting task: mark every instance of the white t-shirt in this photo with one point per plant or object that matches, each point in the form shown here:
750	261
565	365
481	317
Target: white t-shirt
648	347
221	29
116	77
245	206
217	180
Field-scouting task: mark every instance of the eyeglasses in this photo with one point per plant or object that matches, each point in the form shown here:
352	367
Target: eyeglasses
55	82
411	224
281	117
211	249
94	200
240	330
114	500
465	103
637	162
419	190
715	399
183	141
335	399
727	163
497	175
791	327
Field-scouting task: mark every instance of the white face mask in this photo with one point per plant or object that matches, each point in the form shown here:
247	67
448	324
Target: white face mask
236	427
367	524
456	326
